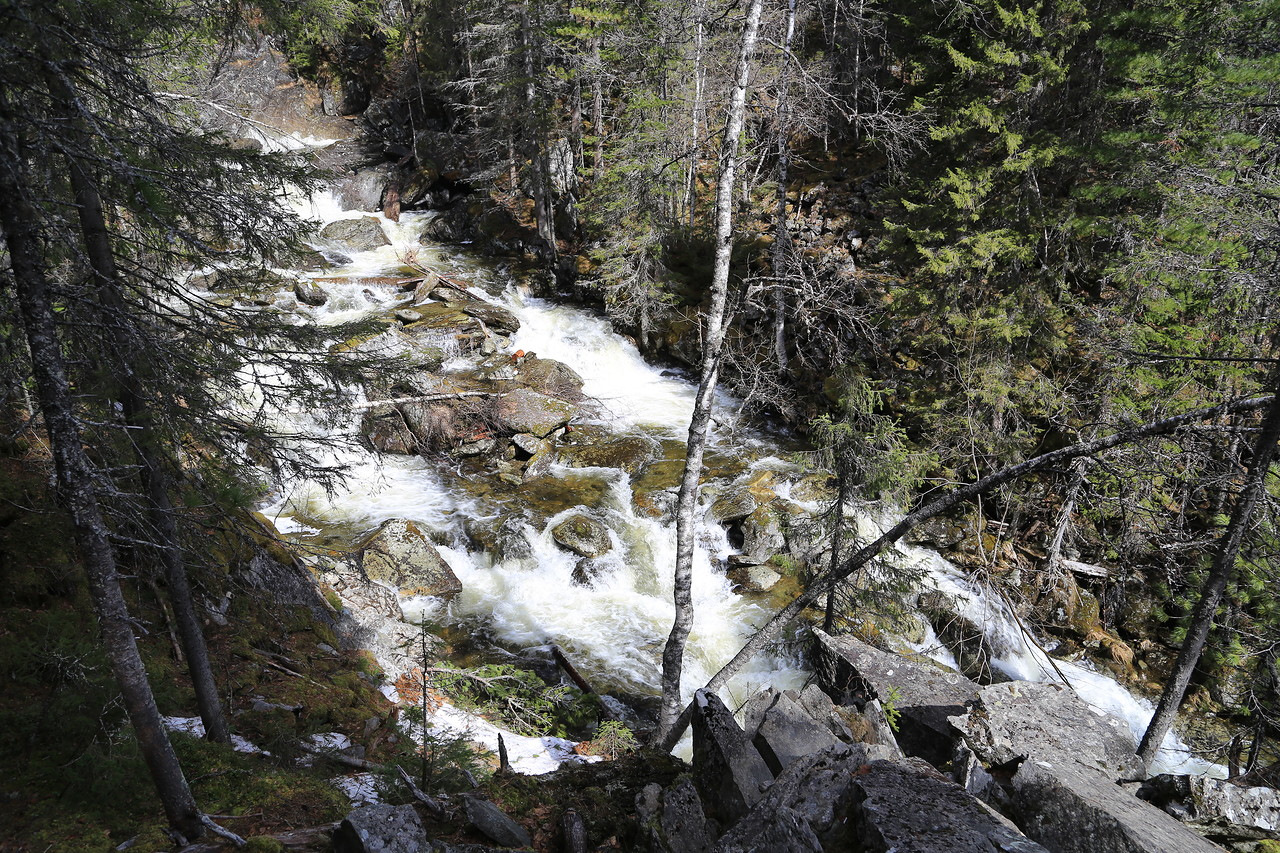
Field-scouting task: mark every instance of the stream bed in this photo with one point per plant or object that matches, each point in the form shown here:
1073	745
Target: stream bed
521	590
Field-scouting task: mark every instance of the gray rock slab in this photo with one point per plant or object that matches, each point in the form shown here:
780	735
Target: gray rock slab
381	829
857	798
925	694
1048	722
728	771
1071	809
787	733
494	824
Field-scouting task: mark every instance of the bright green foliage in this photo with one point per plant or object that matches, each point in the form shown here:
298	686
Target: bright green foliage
518	698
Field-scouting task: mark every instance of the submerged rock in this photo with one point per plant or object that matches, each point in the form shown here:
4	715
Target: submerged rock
400	554
310	293
583	535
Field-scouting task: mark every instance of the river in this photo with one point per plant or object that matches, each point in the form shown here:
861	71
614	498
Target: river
614	627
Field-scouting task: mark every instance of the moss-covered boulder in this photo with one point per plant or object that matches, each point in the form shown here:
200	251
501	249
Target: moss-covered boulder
399	553
358	235
551	377
526	410
583	535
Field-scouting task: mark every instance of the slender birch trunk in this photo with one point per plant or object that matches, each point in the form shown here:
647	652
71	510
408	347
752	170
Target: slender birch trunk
713	341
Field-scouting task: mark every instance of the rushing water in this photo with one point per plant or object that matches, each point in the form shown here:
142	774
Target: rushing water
614	628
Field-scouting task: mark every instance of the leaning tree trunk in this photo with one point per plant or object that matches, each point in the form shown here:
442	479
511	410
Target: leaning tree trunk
75	480
868	552
713	341
150	464
1215	586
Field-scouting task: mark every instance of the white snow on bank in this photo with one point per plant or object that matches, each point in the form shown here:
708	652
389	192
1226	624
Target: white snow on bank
195	726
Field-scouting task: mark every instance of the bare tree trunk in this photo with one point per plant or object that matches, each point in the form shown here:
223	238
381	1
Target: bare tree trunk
695	117
939	505
538	147
75	480
146	447
844	489
1215	585
782	248
713	340
597	111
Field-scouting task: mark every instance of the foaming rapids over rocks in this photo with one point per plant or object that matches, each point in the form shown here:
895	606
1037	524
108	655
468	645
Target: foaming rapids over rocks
520	587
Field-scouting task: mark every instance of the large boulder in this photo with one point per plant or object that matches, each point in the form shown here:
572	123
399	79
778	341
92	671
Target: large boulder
1220	808
363	190
787	733
494	824
525	410
358	235
387	431
586	447
551	377
310	293
728	771
583	535
857	798
400	554
381	829
924	694
1071	809
674	819
1019	719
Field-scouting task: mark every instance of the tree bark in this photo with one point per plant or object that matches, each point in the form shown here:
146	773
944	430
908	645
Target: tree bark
782	248
713	340
868	552
146	447
75	480
1215	586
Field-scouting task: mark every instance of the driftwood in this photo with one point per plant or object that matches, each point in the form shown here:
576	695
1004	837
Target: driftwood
430	803
1085	568
570	671
349	760
424	398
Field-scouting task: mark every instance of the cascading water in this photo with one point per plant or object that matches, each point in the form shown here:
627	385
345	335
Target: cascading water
615	626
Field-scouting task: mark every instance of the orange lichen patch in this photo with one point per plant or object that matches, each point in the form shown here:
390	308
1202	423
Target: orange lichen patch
409	686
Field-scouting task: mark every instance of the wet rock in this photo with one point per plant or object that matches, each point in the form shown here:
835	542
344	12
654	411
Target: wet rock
494	824
526	410
381	829
729	773
586	449
387	431
582	535
495	317
408	315
551	377
926	694
310	293
358	235
1050	723
363	190
399	553
753	578
734	505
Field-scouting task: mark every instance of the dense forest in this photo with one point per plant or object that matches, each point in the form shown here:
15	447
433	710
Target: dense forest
1007	267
